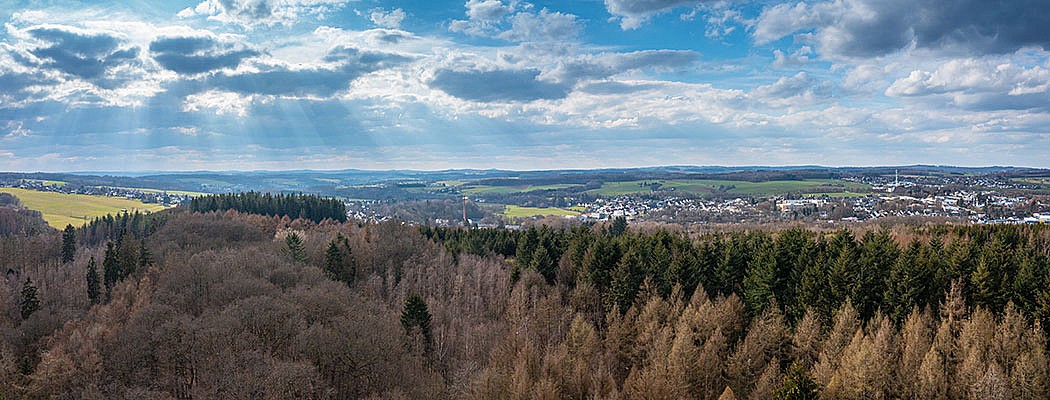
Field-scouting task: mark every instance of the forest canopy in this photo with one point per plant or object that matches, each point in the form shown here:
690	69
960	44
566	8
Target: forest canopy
240	305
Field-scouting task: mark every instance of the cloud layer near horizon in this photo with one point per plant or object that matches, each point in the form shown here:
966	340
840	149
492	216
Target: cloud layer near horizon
246	84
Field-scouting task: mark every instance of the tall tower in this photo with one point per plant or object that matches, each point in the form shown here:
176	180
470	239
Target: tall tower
896	178
465	223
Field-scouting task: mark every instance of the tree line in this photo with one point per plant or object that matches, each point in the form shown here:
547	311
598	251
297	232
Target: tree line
793	269
237	305
305	206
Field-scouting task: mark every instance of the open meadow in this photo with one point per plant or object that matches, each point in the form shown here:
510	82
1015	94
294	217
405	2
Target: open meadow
60	209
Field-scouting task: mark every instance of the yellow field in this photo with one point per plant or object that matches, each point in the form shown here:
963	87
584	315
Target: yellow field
60	209
512	211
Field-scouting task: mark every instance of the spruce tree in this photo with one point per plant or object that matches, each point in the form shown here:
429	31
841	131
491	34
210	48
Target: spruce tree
69	244
145	256
110	269
542	262
797	386
626	279
339	260
93	292
294	247
416	318
760	280
333	261
30	302
878	254
618	227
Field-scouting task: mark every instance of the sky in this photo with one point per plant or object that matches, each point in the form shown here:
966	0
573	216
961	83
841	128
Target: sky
334	84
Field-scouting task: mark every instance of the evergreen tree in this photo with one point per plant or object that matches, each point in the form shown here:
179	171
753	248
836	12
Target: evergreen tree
542	262
294	246
797	386
878	254
110	269
30	302
416	318
984	285
69	244
729	274
339	262
813	289
842	267
760	280
618	227
906	283
145	256
333	261
790	246
626	279
599	261
93	290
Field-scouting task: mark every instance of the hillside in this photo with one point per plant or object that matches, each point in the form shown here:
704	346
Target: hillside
232	305
60	209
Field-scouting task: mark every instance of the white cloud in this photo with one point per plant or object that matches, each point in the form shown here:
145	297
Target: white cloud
989	83
797	58
633	13
251	13
543	26
387	19
218	103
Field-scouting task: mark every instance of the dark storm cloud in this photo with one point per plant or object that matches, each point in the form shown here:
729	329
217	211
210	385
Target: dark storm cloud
633	13
868	28
85	54
498	85
317	81
605	65
197	54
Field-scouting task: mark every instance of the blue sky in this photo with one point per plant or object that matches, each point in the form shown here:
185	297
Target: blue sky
332	84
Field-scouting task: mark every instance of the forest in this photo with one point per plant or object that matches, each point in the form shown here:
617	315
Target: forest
230	304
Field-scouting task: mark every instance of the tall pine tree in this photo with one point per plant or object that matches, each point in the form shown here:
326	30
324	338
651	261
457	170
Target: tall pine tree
69	244
110	269
30	302
93	292
416	317
294	246
760	279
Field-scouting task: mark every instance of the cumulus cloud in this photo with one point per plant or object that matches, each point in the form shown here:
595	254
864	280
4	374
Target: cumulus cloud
387	19
198	53
218	102
516	22
542	26
799	89
251	13
978	83
487	10
633	13
346	64
796	59
871	28
498	85
604	65
82	53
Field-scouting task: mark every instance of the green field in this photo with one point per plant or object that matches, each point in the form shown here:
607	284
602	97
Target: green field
60	209
739	188
174	192
47	183
524	212
836	194
1033	181
485	189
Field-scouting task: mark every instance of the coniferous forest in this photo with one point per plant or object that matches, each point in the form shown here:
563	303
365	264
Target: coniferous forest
275	305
